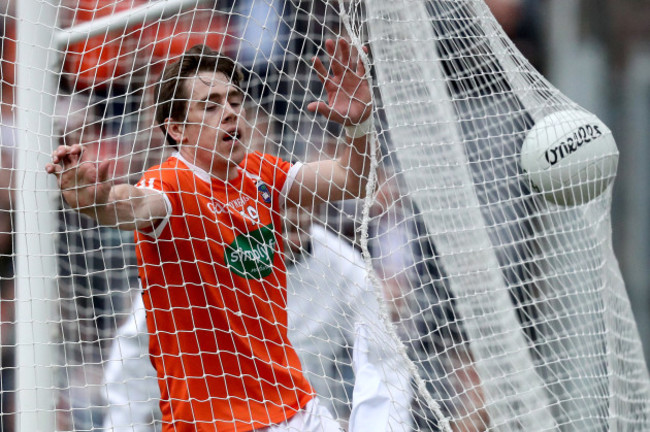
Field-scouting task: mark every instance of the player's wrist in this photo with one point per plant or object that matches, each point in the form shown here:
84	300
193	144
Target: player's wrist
359	130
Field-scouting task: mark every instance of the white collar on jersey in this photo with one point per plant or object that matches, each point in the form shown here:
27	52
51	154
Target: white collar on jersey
206	176
203	174
200	172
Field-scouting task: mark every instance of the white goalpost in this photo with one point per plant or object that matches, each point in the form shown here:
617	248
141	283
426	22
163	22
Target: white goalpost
34	262
474	289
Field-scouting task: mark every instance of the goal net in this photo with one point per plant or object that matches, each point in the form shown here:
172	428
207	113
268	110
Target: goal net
462	293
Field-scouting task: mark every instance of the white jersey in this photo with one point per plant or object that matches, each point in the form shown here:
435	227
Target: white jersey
329	293
131	382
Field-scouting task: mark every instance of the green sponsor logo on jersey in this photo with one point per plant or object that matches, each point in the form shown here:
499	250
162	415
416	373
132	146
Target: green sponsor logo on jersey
251	254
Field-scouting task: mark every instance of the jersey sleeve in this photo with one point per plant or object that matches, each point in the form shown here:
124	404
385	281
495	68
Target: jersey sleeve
153	180
276	172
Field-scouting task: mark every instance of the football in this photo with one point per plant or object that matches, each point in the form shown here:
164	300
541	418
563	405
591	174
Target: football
570	157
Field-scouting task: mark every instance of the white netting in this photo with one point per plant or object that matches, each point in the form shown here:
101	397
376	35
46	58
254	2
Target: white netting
456	297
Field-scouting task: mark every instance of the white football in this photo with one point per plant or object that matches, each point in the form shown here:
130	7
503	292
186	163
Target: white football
570	157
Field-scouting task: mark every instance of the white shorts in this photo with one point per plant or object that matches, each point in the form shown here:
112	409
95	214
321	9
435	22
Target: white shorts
312	418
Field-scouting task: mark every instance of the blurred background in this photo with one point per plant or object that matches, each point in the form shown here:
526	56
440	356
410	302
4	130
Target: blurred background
595	51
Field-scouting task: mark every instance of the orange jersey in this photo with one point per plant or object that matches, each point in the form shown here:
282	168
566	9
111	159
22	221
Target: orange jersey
214	282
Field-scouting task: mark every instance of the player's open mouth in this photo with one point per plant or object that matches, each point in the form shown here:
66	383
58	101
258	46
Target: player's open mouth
232	136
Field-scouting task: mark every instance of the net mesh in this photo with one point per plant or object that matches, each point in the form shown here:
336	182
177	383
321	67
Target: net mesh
455	297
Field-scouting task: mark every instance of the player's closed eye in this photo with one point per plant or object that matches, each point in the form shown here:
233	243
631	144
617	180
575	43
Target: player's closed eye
212	106
235	101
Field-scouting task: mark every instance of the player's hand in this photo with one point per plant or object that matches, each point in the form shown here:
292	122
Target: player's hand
349	98
84	184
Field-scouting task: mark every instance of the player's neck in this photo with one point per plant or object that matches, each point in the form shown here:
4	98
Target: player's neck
220	169
224	172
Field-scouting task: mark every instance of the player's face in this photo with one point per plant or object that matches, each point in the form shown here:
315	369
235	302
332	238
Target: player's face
215	125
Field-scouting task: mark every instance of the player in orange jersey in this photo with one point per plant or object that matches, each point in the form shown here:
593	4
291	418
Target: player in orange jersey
209	242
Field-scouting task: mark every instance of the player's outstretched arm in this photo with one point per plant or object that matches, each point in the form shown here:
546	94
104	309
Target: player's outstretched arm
349	103
86	187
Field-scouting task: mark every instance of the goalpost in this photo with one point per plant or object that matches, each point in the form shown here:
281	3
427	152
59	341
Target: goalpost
474	289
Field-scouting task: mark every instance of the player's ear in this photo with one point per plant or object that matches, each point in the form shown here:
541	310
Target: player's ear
175	129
